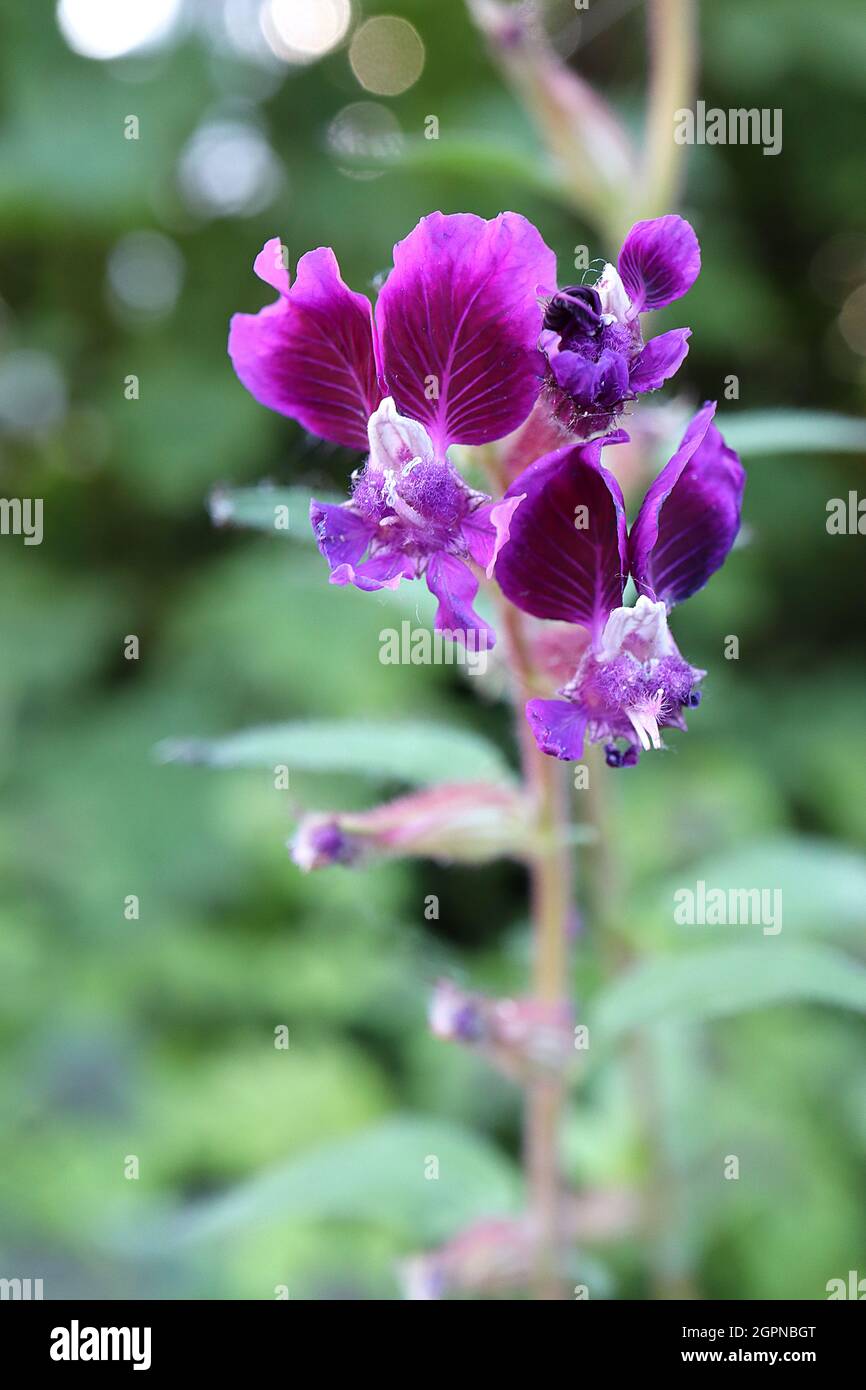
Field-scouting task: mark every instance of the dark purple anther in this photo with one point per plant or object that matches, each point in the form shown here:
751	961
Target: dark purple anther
694	699
574	311
612	755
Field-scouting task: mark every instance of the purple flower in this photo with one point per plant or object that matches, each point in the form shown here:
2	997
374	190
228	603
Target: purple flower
568	558
449	356
411	513
597	356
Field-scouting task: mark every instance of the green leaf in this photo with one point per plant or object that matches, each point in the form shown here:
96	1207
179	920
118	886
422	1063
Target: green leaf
725	980
421	754
822	884
280	511
379	1175
471	156
757	432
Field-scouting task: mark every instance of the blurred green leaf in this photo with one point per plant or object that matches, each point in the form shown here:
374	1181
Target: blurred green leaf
470	156
823	885
379	1175
257	508
728	980
756	432
417	753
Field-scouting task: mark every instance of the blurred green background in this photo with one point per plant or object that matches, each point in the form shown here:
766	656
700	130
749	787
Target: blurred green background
154	1037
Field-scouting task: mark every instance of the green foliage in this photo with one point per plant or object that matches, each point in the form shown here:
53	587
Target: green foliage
414	753
419	1177
714	983
154	1035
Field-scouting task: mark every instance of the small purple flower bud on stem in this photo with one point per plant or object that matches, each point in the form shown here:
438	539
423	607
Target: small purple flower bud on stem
496	1256
522	1038
468	823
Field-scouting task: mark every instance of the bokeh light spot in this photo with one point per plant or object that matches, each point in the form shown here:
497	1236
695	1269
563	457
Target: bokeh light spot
228	169
112	28
300	31
32	393
364	136
852	321
145	274
387	55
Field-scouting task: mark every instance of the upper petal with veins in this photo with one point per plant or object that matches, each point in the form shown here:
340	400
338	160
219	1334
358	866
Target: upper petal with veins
311	353
459	318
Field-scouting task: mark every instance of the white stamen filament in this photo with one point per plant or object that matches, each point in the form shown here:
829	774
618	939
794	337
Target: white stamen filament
400	505
644	721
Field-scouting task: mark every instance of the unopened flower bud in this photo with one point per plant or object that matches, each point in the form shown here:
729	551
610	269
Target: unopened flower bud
520	1037
467	823
321	841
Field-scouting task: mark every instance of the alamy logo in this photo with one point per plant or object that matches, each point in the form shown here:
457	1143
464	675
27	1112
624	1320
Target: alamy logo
855	1287
76	1343
846	517
21	1289
720	907
22	516
444	647
738	126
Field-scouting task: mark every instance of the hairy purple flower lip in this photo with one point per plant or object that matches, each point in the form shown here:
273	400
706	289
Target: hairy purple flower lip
411	515
448	356
631	681
597	357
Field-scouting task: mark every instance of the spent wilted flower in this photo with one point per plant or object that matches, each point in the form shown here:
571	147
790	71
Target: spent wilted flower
449	356
597	357
568	558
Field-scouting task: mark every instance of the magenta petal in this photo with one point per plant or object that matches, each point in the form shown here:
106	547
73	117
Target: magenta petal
341	535
384	571
270	266
659	261
558	727
660	359
486	530
602	383
566	557
459	319
310	354
690	516
455	586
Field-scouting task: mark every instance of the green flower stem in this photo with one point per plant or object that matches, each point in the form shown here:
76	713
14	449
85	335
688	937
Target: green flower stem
550	870
673	58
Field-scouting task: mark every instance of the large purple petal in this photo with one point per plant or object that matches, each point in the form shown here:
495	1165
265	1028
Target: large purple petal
455	586
660	359
558	727
690	516
459	319
659	261
561	562
310	354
